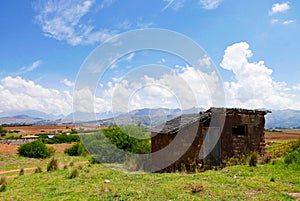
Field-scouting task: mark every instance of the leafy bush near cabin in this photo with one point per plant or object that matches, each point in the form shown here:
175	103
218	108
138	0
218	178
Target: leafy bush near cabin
116	144
35	149
76	150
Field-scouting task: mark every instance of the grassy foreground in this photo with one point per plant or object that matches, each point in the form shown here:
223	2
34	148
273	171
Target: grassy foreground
265	182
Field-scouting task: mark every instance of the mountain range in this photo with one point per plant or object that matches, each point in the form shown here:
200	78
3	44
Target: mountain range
147	116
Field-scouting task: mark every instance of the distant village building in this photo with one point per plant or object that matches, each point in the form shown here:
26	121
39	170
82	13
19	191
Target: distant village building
218	131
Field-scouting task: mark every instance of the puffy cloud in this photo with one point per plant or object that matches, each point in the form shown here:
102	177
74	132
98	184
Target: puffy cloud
184	88
62	20
253	86
20	94
68	83
296	87
279	8
210	4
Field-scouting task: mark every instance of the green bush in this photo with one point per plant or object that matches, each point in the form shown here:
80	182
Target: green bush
253	158
35	149
115	144
76	150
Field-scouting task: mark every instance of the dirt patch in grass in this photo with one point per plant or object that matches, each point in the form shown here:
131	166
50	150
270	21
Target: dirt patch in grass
8	149
61	147
294	195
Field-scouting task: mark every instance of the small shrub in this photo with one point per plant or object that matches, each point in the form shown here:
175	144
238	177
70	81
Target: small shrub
21	172
35	149
3	187
38	170
272	179
74	173
3	180
76	150
71	164
53	164
65	167
253	158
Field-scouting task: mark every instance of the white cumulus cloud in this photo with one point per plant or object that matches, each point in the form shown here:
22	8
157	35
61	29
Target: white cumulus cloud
184	88
253	86
20	94
279	8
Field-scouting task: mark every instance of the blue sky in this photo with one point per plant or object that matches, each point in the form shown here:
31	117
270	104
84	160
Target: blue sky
44	43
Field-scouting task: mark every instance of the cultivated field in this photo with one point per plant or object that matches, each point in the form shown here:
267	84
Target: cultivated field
284	135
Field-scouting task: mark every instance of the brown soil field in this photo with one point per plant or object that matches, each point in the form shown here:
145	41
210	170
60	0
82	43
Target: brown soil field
8	149
13	149
284	135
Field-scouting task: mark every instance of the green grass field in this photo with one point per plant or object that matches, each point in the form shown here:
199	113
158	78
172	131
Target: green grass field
273	181
265	182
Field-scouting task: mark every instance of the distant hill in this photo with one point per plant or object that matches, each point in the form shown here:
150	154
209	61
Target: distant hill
31	113
146	116
283	119
19	119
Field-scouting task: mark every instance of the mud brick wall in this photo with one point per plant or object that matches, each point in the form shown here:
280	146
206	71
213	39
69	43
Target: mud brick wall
183	149
253	140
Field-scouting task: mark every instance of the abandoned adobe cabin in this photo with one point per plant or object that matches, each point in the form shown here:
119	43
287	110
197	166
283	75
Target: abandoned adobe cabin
213	135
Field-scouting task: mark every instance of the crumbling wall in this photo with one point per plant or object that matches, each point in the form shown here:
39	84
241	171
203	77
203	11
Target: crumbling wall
252	141
189	148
